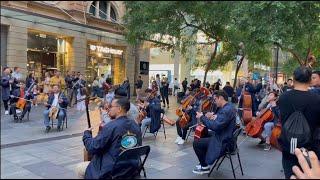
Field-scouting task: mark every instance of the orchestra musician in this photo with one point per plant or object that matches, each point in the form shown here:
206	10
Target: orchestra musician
57	100
267	129
182	132
132	113
222	126
153	108
118	135
22	93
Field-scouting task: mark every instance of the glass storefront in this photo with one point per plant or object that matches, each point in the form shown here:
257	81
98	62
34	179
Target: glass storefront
45	53
105	60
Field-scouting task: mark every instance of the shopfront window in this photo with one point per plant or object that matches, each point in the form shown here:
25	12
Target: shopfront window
105	60
45	53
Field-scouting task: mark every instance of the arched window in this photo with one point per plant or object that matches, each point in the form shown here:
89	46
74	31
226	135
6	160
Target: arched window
113	14
92	9
100	8
103	9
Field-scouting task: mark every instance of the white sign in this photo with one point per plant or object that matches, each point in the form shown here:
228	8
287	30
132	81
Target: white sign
106	50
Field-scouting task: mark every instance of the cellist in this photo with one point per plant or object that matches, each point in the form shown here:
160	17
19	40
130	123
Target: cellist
267	128
182	132
20	92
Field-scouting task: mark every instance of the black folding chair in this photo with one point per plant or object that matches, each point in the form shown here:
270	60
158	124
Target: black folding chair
133	154
232	149
156	133
190	129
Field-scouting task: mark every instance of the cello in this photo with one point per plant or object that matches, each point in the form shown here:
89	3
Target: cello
255	127
22	100
208	105
275	134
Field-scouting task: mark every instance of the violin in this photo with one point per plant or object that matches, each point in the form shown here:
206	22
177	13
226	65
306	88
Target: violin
142	111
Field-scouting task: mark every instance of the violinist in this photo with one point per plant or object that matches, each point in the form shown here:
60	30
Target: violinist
22	93
153	109
222	124
56	100
267	129
191	113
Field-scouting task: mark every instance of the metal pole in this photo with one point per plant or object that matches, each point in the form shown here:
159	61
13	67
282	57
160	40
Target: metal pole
277	62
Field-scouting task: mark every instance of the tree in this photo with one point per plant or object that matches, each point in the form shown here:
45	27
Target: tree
171	25
293	26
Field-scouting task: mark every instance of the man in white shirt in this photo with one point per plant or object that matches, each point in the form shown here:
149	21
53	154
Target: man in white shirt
59	100
175	86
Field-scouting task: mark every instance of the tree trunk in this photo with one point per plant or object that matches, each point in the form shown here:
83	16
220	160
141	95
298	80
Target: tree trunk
212	57
237	71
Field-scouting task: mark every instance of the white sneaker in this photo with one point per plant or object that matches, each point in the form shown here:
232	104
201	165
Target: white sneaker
6	112
178	139
181	142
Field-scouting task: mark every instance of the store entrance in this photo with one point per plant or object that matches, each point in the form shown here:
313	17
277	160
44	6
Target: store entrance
46	53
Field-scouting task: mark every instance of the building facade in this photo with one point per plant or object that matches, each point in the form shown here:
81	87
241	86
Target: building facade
81	36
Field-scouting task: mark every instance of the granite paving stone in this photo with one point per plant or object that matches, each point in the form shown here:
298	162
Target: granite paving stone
58	158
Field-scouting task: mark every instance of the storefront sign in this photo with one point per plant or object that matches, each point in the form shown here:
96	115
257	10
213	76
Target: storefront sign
107	50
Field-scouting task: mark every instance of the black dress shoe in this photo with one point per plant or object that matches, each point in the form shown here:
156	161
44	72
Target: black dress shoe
16	118
48	129
20	119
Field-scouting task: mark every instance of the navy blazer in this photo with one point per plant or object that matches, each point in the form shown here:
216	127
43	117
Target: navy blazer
154	112
223	127
105	147
64	103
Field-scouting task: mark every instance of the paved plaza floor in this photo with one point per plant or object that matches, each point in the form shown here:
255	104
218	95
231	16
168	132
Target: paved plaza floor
28	152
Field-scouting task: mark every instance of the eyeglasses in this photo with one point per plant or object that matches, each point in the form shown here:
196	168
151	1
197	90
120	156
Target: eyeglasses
113	106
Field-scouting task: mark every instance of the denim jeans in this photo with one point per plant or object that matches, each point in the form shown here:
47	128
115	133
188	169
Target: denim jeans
144	123
60	117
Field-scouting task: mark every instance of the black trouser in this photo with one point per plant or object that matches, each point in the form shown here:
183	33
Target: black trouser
184	89
288	161
200	147
182	132
5	104
164	99
26	108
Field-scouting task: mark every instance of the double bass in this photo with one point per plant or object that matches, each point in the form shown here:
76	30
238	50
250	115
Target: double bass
247	107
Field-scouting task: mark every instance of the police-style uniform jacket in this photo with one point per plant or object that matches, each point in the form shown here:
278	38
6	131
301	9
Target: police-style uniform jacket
222	127
106	146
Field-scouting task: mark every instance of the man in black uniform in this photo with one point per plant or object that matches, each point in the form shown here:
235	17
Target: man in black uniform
108	144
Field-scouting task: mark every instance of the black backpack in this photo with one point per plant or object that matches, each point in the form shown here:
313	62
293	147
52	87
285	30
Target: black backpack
295	132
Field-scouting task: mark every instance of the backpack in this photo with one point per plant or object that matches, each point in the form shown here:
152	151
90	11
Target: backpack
295	132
